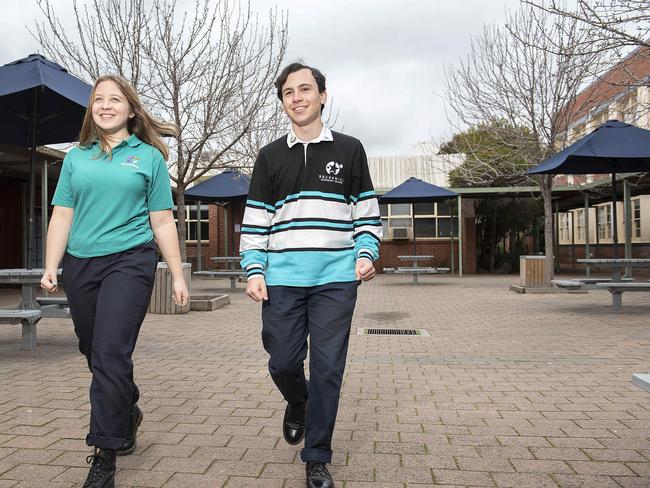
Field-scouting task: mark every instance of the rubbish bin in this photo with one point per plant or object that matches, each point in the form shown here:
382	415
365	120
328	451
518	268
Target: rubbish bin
161	297
531	270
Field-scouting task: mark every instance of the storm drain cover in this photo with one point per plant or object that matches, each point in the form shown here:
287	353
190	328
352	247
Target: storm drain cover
393	332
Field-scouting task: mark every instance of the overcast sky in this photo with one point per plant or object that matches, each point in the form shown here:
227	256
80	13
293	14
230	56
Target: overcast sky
383	59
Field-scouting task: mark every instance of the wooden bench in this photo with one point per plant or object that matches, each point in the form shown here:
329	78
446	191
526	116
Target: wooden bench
233	275
28	319
54	307
617	289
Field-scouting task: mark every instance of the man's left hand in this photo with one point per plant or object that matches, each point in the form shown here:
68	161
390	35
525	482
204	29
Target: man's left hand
364	270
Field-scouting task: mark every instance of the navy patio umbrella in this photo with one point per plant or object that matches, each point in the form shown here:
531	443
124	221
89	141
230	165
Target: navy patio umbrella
40	103
227	187
614	147
415	190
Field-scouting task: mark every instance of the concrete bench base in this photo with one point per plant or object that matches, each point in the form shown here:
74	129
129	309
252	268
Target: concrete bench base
617	289
642	381
28	320
208	303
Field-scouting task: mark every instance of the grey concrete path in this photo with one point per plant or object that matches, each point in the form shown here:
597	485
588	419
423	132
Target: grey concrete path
508	391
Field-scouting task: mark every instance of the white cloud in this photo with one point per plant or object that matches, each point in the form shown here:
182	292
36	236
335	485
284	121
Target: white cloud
383	59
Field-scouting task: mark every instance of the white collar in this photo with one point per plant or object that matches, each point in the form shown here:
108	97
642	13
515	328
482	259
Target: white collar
325	135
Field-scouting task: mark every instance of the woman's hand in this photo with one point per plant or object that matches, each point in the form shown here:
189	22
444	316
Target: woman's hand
49	281
180	293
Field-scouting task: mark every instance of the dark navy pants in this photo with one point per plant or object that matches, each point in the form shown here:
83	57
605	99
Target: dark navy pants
108	297
324	314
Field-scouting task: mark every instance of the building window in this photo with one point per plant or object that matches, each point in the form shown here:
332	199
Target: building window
565	230
636	219
191	222
580	224
428	220
604	218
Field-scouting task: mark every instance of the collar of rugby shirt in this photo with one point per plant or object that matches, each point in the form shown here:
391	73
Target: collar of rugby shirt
325	135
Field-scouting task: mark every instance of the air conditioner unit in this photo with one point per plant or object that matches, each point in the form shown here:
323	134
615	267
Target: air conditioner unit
398	233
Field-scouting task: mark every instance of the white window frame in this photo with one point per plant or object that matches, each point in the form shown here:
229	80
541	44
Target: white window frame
191	219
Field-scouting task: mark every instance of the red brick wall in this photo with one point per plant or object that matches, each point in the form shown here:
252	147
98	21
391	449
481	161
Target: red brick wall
602	251
439	248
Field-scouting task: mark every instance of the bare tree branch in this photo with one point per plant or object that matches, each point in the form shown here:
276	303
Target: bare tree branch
208	68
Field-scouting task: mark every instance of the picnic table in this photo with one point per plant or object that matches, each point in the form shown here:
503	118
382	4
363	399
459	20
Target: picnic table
30	279
617	285
232	262
415	269
233	271
30	311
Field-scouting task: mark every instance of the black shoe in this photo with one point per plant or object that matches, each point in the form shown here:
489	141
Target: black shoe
135	419
102	470
293	426
317	475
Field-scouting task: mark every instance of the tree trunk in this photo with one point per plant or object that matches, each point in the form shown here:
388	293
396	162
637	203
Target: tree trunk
546	187
181	226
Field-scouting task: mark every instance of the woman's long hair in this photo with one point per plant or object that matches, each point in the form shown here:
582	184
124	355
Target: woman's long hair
144	126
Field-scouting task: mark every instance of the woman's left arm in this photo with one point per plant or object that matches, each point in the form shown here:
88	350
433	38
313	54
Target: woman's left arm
164	228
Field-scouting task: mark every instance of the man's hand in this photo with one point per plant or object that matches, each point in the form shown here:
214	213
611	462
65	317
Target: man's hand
364	270
256	288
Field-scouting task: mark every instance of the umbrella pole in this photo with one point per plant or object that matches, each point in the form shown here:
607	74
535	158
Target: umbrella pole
198	235
614	219
413	220
32	180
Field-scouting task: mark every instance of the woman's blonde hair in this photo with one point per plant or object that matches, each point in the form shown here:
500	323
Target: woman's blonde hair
144	126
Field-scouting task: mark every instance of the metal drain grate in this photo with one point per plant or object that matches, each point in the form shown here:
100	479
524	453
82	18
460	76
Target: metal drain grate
392	332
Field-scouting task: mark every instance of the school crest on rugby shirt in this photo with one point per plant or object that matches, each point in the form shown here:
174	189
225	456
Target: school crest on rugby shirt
332	169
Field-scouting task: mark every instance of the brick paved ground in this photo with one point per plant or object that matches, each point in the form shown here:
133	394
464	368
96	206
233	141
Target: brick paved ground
509	391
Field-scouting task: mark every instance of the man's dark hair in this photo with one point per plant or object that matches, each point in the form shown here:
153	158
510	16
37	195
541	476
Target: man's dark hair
292	68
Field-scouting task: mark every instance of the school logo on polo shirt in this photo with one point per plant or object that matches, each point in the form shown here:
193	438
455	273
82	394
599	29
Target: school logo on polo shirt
332	169
132	161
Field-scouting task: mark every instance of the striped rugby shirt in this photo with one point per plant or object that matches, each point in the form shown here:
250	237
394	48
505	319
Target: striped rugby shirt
311	212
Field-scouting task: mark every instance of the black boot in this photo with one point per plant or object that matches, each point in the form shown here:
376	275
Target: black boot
293	425
102	470
317	475
135	419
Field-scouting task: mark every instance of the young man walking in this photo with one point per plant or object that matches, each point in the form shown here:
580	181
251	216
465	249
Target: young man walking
310	234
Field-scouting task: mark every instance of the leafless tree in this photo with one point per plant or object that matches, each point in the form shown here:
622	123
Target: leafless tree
524	77
209	69
619	28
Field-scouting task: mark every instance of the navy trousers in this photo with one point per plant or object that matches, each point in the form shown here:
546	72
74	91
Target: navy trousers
323	314
108	297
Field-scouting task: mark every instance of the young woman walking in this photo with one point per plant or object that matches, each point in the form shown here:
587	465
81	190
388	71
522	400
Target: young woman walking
112	198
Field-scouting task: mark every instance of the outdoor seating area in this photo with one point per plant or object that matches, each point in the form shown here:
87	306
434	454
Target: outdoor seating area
507	390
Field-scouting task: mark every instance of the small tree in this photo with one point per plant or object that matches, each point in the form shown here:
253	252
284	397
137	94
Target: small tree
525	75
492	159
208	69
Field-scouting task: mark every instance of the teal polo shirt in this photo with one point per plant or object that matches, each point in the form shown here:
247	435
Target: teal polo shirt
112	197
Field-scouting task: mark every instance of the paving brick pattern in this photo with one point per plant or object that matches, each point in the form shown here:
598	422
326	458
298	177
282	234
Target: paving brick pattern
508	391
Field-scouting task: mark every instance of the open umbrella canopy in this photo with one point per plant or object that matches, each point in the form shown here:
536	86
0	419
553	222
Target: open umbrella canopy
614	147
231	185
61	99
415	190
40	103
